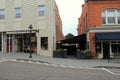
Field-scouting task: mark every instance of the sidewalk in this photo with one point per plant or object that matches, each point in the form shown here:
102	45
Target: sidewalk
60	61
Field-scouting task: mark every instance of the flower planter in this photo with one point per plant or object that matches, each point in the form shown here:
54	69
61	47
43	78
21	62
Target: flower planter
83	55
80	55
60	54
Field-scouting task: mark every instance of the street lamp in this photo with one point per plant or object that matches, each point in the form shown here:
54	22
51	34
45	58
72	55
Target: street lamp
30	27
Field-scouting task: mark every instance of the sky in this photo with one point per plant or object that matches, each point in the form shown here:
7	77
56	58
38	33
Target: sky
70	11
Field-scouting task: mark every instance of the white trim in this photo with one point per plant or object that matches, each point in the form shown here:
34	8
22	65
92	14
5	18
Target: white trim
111	54
2	42
118	30
106	16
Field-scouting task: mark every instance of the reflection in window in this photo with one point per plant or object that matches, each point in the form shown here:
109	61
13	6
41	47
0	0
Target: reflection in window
41	10
44	43
2	14
103	17
98	47
118	15
17	12
111	16
116	48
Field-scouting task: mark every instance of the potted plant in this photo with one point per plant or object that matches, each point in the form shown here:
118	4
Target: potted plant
84	54
60	53
87	54
80	54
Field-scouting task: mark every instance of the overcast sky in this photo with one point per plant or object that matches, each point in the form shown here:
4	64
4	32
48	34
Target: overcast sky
70	11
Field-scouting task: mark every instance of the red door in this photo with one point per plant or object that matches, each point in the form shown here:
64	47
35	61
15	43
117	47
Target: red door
9	45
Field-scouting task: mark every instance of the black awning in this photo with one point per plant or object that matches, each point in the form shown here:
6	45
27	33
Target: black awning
76	39
108	36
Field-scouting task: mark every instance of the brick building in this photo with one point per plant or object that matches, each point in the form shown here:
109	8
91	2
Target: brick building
15	18
100	21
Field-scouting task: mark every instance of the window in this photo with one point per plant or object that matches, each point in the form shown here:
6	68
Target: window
103	17
111	16
41	10
118	16
2	14
44	43
17	12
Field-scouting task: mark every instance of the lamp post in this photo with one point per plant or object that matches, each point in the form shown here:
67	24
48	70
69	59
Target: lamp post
30	27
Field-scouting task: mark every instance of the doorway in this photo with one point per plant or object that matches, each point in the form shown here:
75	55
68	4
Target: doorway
9	45
20	45
106	50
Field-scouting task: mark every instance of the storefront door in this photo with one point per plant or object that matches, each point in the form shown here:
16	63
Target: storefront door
106	50
20	45
9	45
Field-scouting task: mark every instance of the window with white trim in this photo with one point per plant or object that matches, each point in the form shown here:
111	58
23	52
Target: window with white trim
41	10
44	43
2	14
111	16
17	12
118	16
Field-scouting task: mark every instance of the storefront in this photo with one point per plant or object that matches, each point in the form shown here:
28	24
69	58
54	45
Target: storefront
20	42
108	45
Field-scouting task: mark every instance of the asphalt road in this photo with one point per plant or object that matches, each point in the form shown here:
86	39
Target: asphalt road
11	70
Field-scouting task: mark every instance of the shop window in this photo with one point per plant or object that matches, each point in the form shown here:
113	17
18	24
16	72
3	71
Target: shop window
9	36
98	47
44	43
116	49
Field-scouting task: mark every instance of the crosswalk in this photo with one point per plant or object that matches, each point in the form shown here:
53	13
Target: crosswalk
111	71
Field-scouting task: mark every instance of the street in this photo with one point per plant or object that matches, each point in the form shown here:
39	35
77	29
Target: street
15	70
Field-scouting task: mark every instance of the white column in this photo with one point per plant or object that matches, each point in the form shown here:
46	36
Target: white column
111	54
102	49
13	43
88	40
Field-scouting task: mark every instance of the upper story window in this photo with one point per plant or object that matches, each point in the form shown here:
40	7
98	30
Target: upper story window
2	14
111	16
41	10
118	16
17	12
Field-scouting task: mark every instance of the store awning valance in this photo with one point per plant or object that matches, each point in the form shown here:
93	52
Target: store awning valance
108	36
76	39
21	32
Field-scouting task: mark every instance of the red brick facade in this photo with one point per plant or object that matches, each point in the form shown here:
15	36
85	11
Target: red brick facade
59	34
91	17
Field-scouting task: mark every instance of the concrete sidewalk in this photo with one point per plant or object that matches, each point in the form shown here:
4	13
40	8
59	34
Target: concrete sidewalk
59	61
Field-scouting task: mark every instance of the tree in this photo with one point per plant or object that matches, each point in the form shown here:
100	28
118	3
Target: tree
69	35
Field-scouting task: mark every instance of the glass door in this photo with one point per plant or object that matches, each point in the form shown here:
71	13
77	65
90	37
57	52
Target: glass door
106	50
116	48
